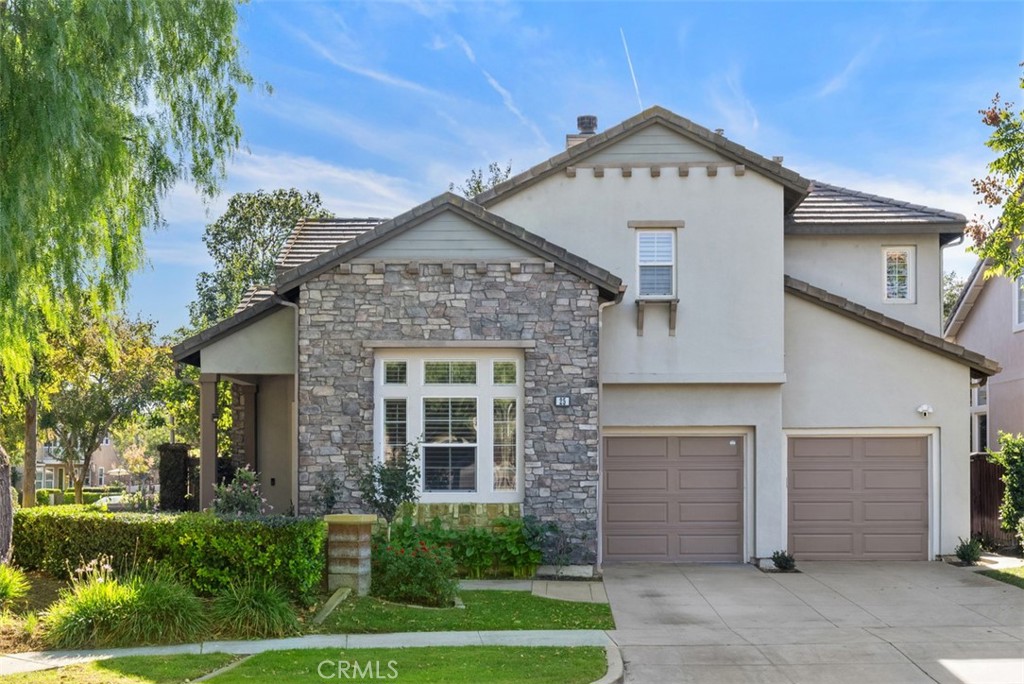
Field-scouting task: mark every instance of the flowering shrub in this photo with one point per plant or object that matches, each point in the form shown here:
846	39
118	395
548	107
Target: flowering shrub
415	573
241	496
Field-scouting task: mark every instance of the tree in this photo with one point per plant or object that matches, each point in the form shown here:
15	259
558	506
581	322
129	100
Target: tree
104	105
243	243
952	285
476	183
1000	240
103	384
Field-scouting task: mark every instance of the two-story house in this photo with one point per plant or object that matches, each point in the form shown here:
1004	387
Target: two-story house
673	347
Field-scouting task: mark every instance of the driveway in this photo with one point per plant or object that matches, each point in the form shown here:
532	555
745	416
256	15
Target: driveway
873	622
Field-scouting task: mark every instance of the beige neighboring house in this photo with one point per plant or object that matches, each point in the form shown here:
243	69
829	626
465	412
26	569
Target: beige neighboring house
671	346
989	317
52	473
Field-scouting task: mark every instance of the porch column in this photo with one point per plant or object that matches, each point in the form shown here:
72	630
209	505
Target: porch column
248	396
207	438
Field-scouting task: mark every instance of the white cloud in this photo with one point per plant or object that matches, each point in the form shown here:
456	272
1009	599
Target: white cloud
739	117
841	80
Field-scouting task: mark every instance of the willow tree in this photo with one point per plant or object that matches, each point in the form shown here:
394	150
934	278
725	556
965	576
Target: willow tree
104	105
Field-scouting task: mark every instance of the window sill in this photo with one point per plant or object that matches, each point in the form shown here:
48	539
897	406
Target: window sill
673	308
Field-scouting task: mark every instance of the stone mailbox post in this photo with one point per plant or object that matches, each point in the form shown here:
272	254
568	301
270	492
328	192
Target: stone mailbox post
348	551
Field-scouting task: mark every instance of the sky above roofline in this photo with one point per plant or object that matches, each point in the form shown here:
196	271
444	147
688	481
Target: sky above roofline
379	106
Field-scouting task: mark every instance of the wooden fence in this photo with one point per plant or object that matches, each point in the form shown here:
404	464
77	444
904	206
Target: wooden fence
986	495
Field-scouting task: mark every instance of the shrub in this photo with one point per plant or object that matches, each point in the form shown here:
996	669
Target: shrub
206	549
89	613
386	485
163	610
1020	531
1011	457
13	585
253	608
241	496
969	551
420	573
43	496
784	561
88	497
15	498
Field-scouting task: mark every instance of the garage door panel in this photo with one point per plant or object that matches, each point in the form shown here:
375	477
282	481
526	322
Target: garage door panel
711	512
637	480
654	512
872	504
812	511
684	507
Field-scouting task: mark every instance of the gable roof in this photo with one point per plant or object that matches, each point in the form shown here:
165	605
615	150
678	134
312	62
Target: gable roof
610	286
312	237
965	302
796	186
831	209
979	365
187	350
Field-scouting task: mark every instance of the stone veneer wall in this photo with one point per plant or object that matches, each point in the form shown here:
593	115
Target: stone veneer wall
390	301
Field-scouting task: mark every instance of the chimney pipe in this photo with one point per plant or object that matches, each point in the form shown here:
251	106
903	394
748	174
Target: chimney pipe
587	126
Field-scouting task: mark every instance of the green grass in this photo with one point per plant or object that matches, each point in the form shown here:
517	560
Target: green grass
1014	576
485	610
129	670
451	665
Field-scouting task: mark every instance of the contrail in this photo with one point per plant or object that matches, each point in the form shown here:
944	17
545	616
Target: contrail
631	72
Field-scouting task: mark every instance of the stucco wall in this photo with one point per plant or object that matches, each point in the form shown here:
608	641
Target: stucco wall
989	331
274	443
729	266
266	346
757	407
557	310
842	374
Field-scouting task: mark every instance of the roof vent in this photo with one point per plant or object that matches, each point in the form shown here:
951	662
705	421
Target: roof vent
587	125
777	159
719	131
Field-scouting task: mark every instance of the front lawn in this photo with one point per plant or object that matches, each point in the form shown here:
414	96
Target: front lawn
1014	576
485	610
172	669
451	665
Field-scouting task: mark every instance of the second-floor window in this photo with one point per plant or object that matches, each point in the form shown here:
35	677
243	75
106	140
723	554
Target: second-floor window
898	263
1018	304
656	263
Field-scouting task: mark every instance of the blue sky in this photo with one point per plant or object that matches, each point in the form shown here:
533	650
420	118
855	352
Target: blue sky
378	106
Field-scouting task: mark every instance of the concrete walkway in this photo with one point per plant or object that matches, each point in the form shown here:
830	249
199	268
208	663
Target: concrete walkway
579	592
45	660
830	624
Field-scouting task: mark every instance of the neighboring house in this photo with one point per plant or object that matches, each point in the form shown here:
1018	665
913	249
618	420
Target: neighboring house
671	346
53	473
989	317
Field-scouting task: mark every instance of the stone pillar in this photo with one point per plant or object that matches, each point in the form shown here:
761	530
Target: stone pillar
207	438
348	551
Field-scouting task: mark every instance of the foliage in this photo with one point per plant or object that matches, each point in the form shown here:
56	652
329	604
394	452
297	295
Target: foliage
484	611
207	549
105	382
417	573
1014	576
43	496
1011	457
243	243
241	496
13	585
253	608
998	240
388	484
1020	532
476	183
167	669
325	498
952	285
968	551
164	610
513	546
784	561
141	502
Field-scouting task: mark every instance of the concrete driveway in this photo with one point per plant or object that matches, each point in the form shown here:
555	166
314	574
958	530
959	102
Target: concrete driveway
869	622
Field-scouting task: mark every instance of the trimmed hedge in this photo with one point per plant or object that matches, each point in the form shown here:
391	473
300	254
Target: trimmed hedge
89	494
210	551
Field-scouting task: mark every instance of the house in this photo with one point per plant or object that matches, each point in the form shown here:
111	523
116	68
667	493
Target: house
671	346
989	317
53	473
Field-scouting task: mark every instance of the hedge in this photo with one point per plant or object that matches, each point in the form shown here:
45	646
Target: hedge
207	550
89	494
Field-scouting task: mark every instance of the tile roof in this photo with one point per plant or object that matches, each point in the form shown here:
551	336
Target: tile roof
833	205
254	295
979	365
312	237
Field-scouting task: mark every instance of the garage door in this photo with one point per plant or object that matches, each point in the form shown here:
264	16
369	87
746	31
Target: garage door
858	498
673	499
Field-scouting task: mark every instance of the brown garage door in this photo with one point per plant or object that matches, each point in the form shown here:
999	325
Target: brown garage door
673	499
858	498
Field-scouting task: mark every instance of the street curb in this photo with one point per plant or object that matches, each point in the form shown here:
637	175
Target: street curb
616	670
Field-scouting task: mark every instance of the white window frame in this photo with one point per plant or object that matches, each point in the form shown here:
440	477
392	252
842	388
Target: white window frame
1017	300
671	232
101	478
976	431
415	390
911	253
